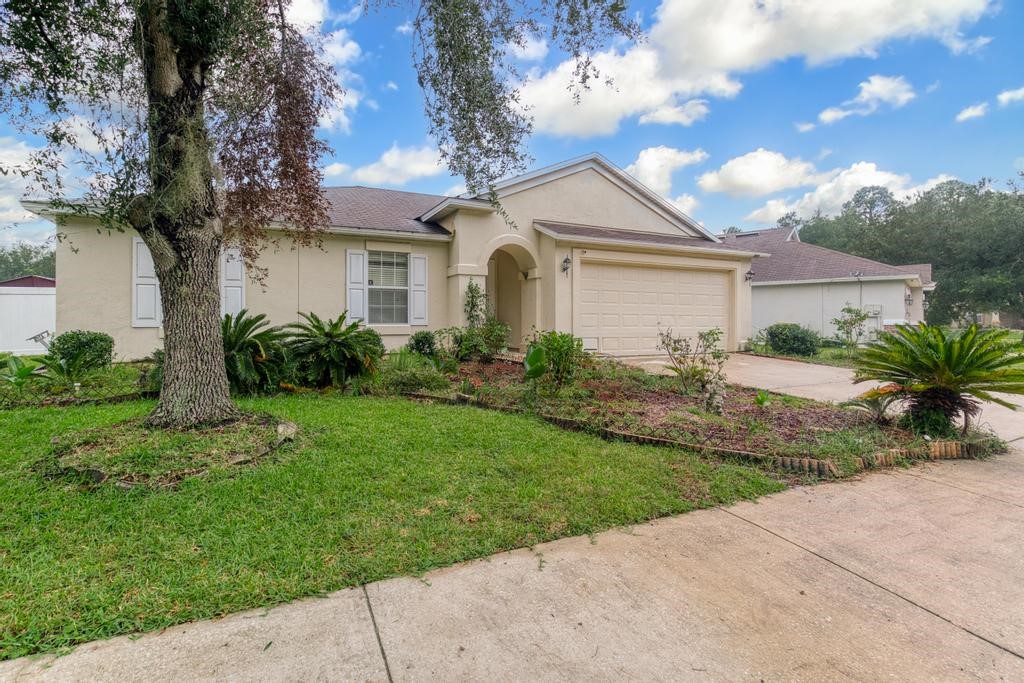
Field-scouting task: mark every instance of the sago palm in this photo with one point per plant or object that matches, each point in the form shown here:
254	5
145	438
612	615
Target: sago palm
253	352
329	352
946	373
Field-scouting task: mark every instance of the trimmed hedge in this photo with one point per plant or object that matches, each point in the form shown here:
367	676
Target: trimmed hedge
94	349
792	339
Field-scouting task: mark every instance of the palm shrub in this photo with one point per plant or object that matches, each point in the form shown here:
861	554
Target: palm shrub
254	353
945	375
331	352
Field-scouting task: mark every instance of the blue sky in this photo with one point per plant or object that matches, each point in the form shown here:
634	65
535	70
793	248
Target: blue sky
706	110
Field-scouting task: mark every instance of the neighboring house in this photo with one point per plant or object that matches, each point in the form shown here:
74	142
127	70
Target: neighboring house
807	284
27	309
589	250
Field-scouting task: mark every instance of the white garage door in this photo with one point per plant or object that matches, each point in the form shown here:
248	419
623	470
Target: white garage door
621	307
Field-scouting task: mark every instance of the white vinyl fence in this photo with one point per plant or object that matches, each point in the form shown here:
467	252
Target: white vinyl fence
24	313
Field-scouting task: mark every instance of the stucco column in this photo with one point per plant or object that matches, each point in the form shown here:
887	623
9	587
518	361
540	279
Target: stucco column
459	278
530	302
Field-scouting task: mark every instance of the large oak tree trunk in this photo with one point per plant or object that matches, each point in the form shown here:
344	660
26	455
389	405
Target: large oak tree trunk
180	222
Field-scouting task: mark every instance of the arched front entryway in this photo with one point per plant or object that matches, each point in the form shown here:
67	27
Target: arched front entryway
511	286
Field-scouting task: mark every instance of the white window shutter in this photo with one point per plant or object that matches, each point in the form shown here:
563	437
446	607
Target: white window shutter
146	310
232	281
355	283
417	289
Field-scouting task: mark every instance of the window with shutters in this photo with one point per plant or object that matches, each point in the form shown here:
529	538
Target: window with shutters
388	288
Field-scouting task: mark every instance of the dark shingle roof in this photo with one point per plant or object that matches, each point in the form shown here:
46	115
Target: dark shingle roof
592	232
379	209
792	260
922	269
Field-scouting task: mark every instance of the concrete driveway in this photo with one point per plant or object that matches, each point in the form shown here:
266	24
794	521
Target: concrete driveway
913	575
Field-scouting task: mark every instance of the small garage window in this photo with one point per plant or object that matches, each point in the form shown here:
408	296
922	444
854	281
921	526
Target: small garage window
388	288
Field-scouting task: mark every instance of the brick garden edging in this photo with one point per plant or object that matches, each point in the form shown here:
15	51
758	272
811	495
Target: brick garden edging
937	450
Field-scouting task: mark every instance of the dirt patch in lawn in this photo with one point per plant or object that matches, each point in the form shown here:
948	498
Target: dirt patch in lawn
623	398
128	454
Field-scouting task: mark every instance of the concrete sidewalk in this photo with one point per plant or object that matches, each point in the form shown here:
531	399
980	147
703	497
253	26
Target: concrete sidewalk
911	575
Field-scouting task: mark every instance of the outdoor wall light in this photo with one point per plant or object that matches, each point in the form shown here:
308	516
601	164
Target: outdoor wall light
566	264
909	299
749	276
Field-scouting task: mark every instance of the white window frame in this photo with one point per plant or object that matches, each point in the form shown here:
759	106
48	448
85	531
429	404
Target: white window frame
408	290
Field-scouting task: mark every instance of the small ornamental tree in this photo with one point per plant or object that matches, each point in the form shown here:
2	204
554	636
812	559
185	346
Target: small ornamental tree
850	326
195	122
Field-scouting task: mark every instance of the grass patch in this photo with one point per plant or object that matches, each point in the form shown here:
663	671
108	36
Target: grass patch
829	355
127	453
376	488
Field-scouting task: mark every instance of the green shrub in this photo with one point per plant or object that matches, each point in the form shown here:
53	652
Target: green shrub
254	353
423	342
330	352
403	372
89	350
947	374
792	340
563	354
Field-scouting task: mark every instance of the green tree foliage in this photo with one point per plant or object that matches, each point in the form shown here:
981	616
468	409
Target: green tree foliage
973	235
26	259
196	121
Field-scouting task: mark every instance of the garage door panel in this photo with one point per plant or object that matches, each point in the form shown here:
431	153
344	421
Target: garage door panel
623	306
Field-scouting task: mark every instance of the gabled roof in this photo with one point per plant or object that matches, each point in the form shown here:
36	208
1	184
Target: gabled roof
29	281
593	161
373	208
795	261
594	234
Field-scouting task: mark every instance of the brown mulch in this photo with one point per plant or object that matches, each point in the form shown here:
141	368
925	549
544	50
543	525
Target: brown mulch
624	403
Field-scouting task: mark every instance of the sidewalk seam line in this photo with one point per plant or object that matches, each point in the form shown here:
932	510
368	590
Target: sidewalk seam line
376	632
876	584
961	488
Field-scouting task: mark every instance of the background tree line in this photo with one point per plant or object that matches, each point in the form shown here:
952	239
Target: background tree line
972	234
26	259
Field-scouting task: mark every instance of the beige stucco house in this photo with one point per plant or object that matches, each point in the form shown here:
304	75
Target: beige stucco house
810	285
585	248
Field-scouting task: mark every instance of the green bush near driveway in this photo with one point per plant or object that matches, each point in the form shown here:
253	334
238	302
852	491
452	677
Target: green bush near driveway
792	339
374	488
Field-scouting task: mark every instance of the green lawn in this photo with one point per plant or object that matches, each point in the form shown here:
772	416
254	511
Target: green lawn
838	357
373	488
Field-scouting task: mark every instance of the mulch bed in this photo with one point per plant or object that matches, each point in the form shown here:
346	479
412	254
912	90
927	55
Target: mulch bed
647	405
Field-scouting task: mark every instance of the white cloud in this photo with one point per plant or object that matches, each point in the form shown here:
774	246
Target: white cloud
958	44
639	88
1009	96
874	92
308	15
932	87
455	190
351	16
14	154
698	47
838	187
824	153
533	49
975	111
686	203
405	29
804	127
342	51
399	165
654	166
336	169
702	36
391	85
685	114
758	173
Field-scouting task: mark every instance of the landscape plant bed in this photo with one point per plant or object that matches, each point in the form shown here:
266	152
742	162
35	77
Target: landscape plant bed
128	454
616	398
